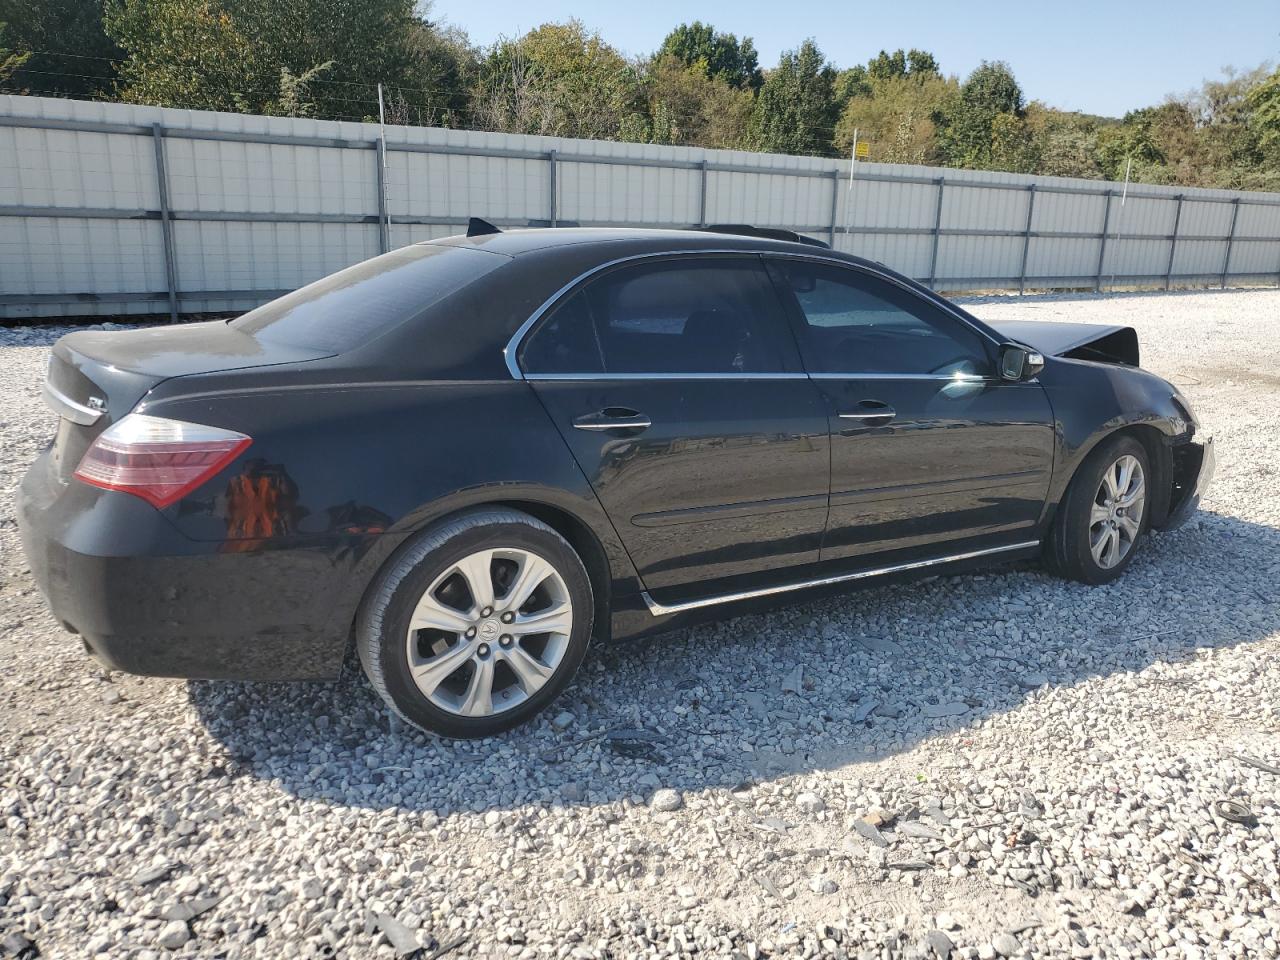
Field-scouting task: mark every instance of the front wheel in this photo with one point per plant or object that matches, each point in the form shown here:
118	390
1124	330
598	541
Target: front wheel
1103	517
477	624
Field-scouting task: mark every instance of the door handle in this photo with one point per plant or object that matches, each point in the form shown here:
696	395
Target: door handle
613	418
869	410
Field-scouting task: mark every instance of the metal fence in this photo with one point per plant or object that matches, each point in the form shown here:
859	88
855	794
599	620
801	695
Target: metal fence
113	208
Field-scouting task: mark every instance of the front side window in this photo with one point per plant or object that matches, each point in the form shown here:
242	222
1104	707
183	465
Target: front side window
856	323
705	316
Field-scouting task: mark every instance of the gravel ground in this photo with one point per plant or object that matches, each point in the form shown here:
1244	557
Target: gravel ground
978	766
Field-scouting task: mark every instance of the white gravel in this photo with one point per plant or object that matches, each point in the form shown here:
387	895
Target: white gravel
981	766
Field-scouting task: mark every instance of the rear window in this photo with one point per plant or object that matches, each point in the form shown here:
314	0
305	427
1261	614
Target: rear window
359	303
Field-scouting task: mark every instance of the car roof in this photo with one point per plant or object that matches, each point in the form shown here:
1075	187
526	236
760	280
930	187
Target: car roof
520	241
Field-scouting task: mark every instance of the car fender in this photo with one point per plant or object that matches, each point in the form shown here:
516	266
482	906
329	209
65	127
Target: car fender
1092	401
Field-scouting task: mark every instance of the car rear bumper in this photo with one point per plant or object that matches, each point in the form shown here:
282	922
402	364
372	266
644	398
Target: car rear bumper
148	600
1193	467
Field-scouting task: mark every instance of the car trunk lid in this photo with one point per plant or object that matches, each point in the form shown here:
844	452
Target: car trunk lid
96	377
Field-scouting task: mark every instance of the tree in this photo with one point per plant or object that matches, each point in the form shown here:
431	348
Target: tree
184	53
726	57
896	119
850	83
1264	104
1066	144
921	64
303	57
967	123
690	107
76	58
560	80
10	60
796	110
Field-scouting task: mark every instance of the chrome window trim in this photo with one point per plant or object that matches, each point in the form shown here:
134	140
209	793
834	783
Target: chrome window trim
65	407
606	377
512	348
940	377
663	609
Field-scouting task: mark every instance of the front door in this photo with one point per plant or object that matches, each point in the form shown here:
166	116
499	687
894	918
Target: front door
931	451
677	385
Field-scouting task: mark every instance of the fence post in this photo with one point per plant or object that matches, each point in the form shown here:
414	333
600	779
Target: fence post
166	223
1102	250
702	203
384	228
551	157
1173	243
835	206
1231	237
937	232
1026	239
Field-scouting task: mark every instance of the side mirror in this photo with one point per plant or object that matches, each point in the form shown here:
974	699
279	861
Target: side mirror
1018	362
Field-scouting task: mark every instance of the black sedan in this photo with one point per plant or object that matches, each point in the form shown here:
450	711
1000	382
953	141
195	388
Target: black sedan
469	457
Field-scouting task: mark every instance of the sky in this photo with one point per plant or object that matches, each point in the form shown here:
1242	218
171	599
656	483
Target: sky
1092	56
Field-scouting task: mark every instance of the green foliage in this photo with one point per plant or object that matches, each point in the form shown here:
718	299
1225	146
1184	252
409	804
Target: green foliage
325	58
561	80
895	118
184	53
723	55
1264	119
296	57
796	110
75	58
689	106
900	63
980	126
10	60
1067	143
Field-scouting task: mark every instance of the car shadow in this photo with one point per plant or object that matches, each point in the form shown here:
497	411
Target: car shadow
877	671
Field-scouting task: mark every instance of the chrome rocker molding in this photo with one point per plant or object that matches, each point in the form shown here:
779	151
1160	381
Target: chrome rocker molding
64	406
662	609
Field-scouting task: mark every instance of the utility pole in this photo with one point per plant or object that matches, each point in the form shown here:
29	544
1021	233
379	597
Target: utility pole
848	198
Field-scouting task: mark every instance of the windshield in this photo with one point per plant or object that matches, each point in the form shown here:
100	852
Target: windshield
359	303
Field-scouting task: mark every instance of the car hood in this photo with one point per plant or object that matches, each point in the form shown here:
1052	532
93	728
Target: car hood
1078	341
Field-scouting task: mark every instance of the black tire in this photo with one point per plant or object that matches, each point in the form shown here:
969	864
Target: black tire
382	625
1068	550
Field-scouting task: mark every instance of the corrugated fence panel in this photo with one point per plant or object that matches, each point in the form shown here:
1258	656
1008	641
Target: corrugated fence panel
259	205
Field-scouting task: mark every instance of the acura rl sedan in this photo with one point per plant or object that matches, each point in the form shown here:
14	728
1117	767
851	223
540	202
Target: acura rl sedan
469	457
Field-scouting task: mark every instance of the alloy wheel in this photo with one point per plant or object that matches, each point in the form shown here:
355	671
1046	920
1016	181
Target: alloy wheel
489	632
1116	516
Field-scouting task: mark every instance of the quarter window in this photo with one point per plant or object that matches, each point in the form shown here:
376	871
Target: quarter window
674	317
855	323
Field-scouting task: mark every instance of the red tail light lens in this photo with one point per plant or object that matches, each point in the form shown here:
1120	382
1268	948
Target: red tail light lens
157	459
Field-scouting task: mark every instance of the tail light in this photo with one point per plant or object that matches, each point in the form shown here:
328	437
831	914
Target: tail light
157	459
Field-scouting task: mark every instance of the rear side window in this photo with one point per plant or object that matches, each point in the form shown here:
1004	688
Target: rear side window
361	302
673	317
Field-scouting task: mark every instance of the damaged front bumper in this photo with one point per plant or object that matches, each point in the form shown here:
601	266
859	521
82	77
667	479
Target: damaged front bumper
1193	466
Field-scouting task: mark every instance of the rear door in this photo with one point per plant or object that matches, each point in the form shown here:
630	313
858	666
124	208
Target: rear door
930	450
677	385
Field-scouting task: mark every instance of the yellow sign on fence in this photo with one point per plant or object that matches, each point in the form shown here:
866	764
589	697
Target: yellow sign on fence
862	150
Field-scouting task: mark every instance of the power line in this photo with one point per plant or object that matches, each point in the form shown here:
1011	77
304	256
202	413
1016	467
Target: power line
372	85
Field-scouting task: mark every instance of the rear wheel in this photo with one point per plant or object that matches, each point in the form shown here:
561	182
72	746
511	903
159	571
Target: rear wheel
1100	522
478	624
